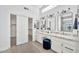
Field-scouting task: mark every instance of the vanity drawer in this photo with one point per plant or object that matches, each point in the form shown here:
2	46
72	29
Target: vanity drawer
67	48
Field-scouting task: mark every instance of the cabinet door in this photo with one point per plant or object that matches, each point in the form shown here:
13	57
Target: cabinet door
68	46
56	44
40	38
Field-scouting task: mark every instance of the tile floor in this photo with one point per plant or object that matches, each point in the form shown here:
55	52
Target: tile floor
31	47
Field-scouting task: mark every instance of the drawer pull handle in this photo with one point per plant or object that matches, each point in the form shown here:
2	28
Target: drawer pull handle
69	48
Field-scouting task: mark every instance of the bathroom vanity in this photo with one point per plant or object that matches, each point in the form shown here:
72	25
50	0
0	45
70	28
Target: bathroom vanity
59	28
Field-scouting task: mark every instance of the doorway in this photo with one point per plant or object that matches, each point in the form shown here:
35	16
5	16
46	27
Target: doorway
12	30
30	33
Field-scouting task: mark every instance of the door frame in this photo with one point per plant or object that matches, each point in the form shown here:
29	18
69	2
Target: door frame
11	29
31	29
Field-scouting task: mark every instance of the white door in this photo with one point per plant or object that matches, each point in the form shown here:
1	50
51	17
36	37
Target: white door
22	30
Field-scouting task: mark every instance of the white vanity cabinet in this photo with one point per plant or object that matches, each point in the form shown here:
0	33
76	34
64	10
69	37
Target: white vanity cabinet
39	37
69	46
56	44
60	43
64	44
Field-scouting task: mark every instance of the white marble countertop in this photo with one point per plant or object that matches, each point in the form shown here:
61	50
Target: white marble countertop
61	35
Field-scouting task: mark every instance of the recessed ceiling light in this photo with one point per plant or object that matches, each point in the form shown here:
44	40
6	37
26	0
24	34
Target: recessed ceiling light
48	8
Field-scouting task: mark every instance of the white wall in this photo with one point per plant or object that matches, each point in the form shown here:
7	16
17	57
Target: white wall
5	22
4	29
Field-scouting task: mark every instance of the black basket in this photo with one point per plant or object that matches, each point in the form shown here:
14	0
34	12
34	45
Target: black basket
46	43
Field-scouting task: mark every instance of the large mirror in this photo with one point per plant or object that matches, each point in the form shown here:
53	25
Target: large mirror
67	22
37	24
53	23
43	23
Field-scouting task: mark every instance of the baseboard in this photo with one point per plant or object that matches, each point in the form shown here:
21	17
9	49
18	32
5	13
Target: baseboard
4	50
38	42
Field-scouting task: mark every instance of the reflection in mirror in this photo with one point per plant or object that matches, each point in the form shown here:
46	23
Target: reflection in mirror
67	22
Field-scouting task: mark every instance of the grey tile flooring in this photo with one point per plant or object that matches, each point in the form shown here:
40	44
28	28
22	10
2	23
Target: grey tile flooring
31	47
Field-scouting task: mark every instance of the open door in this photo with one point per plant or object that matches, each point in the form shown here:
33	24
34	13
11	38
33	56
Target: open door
22	30
30	33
